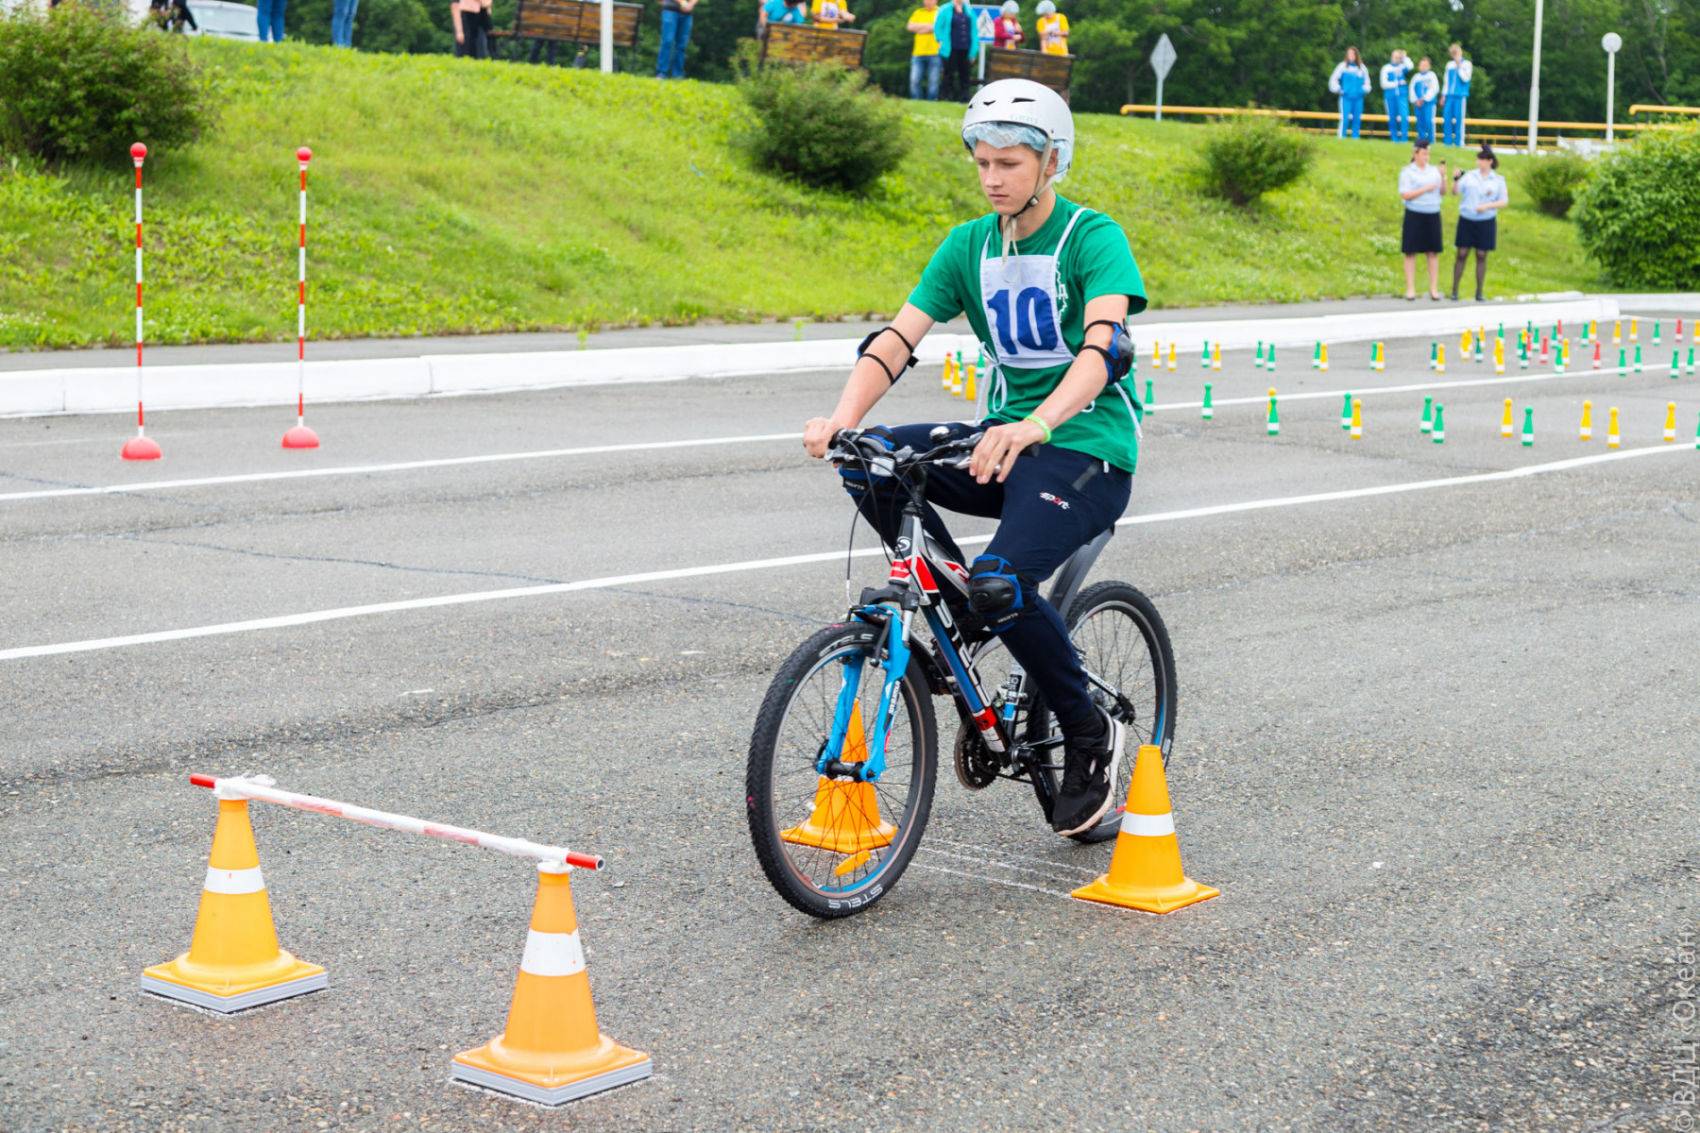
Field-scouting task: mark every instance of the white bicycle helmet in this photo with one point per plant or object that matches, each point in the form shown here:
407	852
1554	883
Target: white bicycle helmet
1023	102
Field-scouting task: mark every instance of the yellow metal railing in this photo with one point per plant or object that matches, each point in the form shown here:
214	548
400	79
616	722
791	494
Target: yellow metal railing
1327	121
1654	108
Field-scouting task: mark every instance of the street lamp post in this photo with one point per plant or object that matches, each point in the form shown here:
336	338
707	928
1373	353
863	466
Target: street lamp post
1612	42
1535	79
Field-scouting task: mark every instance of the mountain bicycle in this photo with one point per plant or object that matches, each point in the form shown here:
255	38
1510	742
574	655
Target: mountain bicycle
844	755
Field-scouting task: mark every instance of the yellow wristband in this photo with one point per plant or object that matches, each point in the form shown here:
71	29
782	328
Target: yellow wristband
1043	428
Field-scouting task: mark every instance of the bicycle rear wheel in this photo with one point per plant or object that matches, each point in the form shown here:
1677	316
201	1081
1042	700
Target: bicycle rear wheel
1124	643
833	846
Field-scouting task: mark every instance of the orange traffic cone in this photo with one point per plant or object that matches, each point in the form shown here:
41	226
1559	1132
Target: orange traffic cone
1145	870
552	1050
846	818
233	961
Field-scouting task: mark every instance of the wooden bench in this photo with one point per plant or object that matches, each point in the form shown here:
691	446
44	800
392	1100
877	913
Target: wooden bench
572	21
805	43
1048	70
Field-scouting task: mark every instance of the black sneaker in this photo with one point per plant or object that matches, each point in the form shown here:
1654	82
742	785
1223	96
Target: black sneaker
1089	775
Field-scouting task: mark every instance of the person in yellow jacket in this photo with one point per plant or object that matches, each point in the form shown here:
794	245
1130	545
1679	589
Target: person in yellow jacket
1053	29
831	13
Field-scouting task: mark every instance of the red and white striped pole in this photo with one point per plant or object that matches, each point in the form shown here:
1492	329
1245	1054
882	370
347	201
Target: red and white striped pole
260	788
139	447
301	436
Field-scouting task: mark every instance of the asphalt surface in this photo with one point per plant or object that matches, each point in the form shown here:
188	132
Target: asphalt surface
1436	748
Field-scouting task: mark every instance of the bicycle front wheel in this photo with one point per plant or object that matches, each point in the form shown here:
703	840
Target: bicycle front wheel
832	846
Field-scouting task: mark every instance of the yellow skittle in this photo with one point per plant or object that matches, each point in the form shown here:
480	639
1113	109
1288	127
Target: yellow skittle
1586	432
1505	420
1440	359
1634	330
1156	355
1145	870
1613	439
1174	356
1322	363
1499	356
1357	433
234	961
552	1050
970	388
1670	422
1617	333
1216	356
846	816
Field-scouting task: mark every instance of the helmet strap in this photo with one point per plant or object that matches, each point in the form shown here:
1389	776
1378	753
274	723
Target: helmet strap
1039	187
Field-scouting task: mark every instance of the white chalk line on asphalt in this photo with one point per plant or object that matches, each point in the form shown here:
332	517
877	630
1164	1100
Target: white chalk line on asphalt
1159	408
396	466
310	617
983	878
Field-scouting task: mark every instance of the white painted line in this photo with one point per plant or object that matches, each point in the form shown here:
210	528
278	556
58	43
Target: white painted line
982	878
310	617
1518	378
990	862
398	466
751	438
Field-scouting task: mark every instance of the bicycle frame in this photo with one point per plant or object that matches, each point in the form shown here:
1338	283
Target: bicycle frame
913	585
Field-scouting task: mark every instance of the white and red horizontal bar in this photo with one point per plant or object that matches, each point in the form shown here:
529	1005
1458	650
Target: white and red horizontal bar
260	788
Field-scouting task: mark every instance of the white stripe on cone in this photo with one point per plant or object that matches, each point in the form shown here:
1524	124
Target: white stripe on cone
552	954
1148	825
235	881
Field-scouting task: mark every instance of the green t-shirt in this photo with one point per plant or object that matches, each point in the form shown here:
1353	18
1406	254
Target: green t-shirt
1096	260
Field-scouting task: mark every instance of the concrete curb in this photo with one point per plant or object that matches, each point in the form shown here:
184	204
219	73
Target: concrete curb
113	389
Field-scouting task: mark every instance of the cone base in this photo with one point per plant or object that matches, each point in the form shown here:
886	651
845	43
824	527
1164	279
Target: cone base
846	820
300	437
236	989
551	1081
140	448
1146	898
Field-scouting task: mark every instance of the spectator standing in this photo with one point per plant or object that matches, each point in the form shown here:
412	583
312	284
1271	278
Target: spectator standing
1053	28
959	46
1394	78
1481	194
1006	31
1350	81
831	13
1454	93
924	63
342	22
781	12
1425	88
269	15
1421	186
471	22
675	37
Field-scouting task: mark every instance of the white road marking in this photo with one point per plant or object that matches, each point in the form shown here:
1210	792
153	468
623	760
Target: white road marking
310	617
397	466
982	878
1368	390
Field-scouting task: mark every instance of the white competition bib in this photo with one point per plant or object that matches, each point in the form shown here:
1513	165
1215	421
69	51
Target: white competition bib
1020	294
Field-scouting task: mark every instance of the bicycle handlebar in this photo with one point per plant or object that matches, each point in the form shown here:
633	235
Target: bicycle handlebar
847	444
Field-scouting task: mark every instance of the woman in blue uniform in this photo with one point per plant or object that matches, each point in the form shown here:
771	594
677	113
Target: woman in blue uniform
1421	186
1350	81
1481	194
1394	76
1425	88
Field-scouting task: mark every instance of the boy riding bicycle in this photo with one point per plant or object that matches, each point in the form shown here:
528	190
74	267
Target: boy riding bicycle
1047	287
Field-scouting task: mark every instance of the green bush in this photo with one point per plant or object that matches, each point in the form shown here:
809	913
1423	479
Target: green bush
822	125
1636	215
1553	182
78	84
1247	157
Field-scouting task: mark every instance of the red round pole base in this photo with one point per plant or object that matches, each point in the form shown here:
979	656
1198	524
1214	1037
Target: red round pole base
140	448
301	437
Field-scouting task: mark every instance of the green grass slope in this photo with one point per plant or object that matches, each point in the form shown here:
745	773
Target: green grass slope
453	196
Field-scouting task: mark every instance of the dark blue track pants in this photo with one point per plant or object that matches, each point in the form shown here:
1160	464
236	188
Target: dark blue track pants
1055	501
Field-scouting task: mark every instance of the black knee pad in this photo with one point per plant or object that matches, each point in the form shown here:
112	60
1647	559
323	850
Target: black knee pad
996	593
